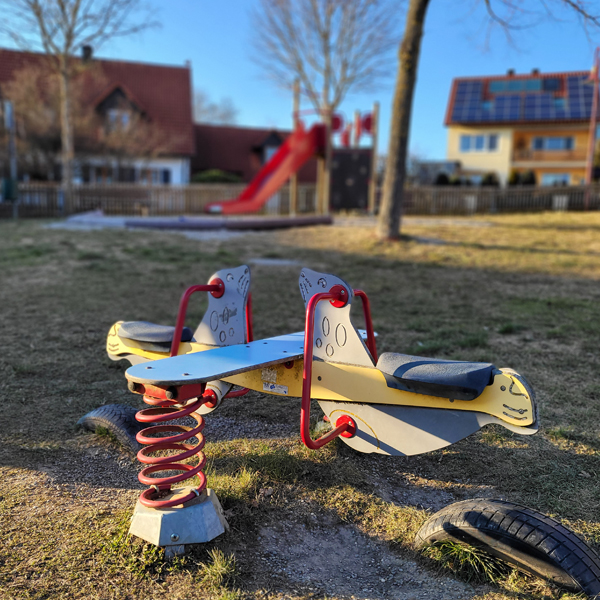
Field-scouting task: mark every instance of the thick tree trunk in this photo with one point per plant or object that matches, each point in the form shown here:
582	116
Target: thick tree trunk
67	136
388	226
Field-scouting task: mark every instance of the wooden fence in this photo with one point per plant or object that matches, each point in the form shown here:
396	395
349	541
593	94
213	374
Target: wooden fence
468	201
47	200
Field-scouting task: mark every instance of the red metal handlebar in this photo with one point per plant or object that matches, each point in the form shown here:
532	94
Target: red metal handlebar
216	287
338	297
371	344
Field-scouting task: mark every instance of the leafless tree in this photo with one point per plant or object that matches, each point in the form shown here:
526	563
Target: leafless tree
504	13
207	111
33	92
61	28
331	46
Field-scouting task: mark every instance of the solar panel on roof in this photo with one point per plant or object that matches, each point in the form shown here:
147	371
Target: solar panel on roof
523	99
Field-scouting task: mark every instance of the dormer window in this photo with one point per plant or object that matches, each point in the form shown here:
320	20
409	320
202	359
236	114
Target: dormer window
118	119
269	152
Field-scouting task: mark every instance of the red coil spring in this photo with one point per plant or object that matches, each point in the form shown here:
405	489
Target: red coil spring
164	411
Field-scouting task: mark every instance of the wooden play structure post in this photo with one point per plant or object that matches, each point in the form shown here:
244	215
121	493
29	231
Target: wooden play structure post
294	177
373	180
357	129
324	170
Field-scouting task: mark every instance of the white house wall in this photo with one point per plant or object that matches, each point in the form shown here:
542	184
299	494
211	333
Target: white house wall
178	167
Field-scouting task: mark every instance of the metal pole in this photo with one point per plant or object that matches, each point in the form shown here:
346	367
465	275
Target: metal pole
373	180
9	123
294	178
593	123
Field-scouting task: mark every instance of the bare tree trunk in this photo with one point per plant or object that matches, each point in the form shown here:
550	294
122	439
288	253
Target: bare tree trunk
388	226
67	137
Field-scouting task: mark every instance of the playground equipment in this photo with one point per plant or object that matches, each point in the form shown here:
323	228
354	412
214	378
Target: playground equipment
297	149
302	145
395	405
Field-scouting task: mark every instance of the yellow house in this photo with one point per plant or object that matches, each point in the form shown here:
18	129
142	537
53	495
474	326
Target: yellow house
521	123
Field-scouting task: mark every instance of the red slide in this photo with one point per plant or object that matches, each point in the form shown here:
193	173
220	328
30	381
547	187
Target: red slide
290	157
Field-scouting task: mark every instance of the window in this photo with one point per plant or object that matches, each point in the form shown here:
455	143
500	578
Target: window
487	105
269	152
538	143
153	176
555	179
552	143
560	103
479	143
118	119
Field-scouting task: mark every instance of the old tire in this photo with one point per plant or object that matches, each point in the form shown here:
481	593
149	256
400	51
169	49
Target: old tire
119	419
520	536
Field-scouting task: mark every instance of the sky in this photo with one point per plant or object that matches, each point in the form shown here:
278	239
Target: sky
216	35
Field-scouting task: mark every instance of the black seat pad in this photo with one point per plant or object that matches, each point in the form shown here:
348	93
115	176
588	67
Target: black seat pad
143	331
452	379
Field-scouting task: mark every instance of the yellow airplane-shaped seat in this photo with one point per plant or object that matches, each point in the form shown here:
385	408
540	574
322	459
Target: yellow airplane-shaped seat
403	405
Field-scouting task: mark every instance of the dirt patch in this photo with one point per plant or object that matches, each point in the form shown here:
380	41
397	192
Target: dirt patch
335	560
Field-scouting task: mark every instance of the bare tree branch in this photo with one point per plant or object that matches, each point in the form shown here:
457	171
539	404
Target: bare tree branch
332	46
206	111
62	27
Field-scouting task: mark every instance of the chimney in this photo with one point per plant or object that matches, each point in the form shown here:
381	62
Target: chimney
86	53
510	72
535	71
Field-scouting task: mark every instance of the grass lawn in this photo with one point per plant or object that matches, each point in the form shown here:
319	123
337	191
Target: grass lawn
521	291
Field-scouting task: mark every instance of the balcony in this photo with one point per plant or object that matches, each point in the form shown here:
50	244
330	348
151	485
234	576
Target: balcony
550	155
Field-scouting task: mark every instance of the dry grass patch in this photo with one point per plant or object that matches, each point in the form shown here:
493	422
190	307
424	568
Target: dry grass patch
517	290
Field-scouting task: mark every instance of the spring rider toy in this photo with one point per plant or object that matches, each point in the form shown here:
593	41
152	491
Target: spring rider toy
396	404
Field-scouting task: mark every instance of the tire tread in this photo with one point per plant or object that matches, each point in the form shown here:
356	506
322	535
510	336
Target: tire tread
531	529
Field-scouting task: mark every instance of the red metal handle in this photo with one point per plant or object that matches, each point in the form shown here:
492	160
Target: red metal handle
216	287
338	297
249	326
371	345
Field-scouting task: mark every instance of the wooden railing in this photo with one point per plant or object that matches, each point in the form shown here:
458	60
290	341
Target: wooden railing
550	155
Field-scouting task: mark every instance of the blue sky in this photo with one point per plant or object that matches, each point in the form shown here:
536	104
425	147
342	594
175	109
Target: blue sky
216	37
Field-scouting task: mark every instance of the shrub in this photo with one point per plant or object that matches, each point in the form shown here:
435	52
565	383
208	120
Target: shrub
490	180
528	178
442	179
215	176
514	178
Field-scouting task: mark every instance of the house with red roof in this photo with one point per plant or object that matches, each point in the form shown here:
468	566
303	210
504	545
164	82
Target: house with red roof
241	151
133	121
513	125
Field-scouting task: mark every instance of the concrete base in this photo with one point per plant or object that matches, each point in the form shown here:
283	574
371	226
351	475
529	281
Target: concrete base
199	521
